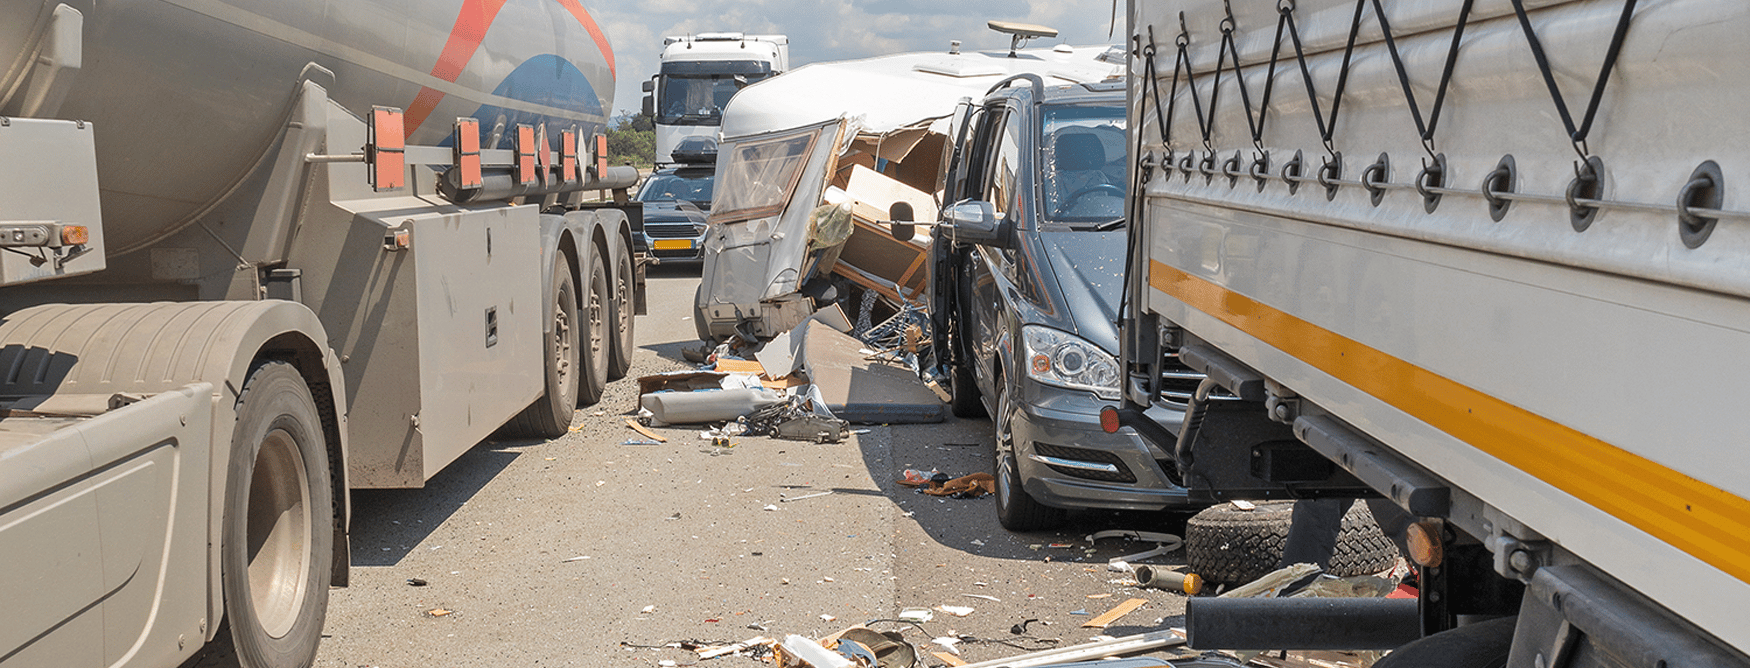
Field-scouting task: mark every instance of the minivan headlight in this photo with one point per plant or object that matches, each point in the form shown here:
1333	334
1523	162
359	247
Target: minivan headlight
1059	358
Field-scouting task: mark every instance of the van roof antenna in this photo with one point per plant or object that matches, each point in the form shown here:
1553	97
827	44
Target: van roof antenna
1019	33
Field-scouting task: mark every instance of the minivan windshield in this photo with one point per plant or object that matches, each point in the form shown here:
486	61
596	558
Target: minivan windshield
1082	150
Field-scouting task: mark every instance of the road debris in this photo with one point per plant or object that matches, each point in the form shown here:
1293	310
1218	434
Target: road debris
917	615
1156	577
1105	619
1164	543
439	612
576	558
804	496
956	610
645	431
416	582
936	483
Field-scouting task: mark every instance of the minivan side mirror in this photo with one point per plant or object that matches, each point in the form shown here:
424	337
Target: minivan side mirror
976	222
900	221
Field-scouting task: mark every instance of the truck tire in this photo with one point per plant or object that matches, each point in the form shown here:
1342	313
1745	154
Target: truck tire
597	316
277	539
550	415
1226	545
1479	645
1016	509
620	355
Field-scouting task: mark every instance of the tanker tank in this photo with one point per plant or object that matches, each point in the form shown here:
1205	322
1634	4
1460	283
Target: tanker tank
187	97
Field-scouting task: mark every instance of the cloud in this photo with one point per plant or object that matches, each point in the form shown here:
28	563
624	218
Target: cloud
821	32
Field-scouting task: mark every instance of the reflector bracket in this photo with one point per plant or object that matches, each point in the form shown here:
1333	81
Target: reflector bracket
385	149
467	153
525	155
568	156
601	155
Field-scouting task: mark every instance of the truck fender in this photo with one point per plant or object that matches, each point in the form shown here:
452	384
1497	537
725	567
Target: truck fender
86	353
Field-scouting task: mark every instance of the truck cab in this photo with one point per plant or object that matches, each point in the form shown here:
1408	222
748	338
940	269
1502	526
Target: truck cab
699	74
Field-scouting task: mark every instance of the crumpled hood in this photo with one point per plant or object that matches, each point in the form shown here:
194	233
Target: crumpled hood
1089	268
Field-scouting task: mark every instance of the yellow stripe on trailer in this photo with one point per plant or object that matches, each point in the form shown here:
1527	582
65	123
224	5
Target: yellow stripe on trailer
1704	521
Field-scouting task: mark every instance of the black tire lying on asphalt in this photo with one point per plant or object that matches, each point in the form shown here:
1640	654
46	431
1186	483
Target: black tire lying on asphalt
1226	545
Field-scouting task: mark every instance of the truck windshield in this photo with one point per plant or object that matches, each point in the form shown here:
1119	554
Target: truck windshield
697	99
695	188
1082	150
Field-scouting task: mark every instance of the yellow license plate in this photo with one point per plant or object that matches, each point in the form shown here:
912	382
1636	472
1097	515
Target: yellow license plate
673	244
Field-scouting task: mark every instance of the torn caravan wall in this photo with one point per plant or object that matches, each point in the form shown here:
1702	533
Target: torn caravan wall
755	254
893	117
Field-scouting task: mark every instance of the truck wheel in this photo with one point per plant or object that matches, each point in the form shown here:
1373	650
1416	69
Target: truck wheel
1479	645
597	312
550	415
276	543
1016	510
1227	545
620	356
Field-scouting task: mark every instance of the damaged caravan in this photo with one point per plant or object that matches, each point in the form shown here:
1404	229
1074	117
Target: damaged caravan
812	163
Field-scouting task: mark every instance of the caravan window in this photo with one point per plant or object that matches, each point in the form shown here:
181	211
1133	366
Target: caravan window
755	177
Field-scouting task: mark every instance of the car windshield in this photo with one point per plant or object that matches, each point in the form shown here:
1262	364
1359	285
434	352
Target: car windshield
695	188
1083	157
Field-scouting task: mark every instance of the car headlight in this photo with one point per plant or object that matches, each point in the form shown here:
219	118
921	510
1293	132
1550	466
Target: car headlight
1059	358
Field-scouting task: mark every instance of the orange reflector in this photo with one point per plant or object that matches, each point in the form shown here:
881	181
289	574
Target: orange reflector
1109	424
568	156
397	239
1426	547
75	235
544	153
525	155
601	155
466	146
1041	364
385	149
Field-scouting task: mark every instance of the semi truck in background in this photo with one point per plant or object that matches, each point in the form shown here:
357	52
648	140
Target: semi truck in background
698	74
1469	258
255	255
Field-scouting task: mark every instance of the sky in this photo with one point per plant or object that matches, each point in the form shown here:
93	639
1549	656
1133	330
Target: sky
830	31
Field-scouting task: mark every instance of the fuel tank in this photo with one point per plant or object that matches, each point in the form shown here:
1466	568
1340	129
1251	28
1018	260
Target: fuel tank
188	95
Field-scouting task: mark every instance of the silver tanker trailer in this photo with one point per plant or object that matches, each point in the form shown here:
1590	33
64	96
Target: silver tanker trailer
256	253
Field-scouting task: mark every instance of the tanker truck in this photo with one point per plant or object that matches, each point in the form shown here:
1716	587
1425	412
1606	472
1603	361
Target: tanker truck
257	254
1481	263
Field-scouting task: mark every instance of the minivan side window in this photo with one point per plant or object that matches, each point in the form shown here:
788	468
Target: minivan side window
1003	188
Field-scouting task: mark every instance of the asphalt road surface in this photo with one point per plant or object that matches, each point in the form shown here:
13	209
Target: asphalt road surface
585	551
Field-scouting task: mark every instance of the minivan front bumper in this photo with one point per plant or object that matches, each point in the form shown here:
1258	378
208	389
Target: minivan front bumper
1066	460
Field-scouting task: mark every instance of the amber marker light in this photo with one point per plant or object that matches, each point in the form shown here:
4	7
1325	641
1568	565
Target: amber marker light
1423	539
1109	420
75	235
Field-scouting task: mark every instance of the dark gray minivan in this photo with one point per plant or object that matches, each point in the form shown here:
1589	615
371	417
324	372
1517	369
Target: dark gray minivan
1026	278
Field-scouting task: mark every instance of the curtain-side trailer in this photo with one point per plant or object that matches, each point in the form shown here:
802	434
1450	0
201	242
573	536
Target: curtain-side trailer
1485	259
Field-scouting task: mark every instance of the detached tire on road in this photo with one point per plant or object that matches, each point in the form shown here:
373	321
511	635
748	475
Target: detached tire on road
550	415
276	544
1226	545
